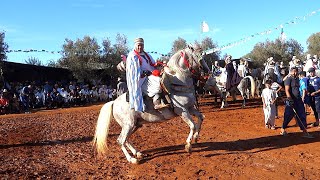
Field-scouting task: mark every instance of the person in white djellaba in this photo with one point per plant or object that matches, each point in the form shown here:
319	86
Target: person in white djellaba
142	77
269	97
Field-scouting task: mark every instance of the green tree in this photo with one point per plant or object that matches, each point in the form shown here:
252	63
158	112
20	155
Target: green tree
313	43
278	50
82	57
112	54
3	47
33	61
178	44
206	44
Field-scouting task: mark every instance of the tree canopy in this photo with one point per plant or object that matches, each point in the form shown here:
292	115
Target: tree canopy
87	62
81	57
3	47
313	43
280	51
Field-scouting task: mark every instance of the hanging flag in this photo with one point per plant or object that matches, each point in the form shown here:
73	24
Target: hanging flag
205	27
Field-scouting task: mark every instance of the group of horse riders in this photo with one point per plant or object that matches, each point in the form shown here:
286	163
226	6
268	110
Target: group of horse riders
272	70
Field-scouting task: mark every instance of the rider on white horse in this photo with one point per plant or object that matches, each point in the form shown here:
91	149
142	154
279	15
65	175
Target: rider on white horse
295	62
142	77
243	68
272	69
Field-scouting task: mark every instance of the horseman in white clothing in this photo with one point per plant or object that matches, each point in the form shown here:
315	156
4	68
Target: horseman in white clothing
296	63
272	71
142	77
243	68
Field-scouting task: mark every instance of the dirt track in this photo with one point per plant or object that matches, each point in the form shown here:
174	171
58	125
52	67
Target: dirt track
233	145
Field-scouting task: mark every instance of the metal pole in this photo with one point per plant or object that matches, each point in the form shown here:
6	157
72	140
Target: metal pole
295	112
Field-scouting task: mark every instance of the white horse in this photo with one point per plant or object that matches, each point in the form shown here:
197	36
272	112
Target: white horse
179	83
218	84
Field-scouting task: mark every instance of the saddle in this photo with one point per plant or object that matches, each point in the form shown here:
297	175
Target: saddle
164	96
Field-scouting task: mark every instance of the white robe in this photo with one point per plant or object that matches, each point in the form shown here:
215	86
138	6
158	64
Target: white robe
270	110
309	64
242	70
134	80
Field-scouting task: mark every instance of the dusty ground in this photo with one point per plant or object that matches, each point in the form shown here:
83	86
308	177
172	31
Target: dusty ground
234	144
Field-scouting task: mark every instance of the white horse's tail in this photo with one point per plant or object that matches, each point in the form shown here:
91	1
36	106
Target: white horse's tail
253	85
102	129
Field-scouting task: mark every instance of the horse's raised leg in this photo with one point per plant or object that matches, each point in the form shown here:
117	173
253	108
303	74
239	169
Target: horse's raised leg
198	125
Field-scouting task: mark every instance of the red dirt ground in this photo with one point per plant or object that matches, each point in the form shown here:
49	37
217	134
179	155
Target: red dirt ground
234	144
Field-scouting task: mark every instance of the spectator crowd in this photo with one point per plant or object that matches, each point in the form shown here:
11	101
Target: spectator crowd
17	97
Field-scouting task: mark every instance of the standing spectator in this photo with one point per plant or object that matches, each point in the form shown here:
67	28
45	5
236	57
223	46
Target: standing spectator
294	104
121	87
276	87
314	89
47	89
269	97
24	98
303	89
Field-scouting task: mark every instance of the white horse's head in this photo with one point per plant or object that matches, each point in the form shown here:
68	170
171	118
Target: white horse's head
188	61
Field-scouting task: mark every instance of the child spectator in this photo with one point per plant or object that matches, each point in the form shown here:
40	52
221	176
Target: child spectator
268	99
303	89
276	87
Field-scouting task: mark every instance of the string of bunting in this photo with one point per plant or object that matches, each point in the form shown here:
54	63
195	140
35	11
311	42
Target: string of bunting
84	53
296	20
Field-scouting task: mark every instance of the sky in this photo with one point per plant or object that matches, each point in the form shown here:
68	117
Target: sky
44	25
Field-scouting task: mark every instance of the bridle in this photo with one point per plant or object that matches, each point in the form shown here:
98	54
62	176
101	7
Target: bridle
188	66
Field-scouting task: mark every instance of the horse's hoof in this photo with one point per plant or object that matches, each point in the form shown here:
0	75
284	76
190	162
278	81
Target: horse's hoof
139	155
134	161
196	137
188	148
